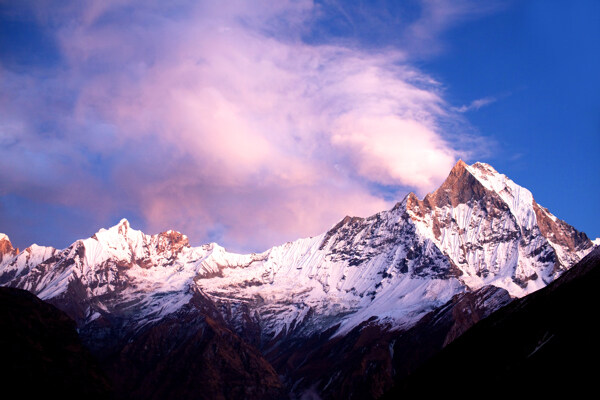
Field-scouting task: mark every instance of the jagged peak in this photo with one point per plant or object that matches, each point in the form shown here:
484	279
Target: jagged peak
481	171
122	223
6	247
122	227
460	169
5	244
401	205
172	233
465	181
468	182
463	184
411	196
460	186
118	232
36	247
460	164
123	232
175	238
410	201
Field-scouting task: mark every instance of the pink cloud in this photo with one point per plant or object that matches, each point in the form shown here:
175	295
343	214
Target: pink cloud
392	150
223	128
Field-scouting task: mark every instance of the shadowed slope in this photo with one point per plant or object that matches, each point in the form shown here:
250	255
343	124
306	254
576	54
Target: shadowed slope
41	354
545	343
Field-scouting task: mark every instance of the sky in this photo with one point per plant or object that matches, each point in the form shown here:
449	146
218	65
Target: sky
252	123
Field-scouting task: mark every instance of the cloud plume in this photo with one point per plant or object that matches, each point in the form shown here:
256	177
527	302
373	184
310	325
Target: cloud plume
216	121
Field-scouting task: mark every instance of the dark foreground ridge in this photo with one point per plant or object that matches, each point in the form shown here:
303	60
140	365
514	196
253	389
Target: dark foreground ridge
41	355
545	343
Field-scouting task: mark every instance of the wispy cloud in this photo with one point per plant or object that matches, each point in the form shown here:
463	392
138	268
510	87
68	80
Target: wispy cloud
476	104
208	121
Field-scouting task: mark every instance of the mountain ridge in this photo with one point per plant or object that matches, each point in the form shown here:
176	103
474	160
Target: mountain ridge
445	236
478	230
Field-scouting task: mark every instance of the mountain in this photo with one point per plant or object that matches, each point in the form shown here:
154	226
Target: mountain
366	362
470	246
543	344
6	249
42	354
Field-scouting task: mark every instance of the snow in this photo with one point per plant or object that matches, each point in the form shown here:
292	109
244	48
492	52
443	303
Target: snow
3	236
501	249
24	262
518	199
392	265
596	242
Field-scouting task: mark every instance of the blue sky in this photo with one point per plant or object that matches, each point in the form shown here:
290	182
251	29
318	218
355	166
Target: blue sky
539	60
253	123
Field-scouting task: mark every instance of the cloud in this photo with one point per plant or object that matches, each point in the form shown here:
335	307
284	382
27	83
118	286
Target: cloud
476	104
423	35
215	121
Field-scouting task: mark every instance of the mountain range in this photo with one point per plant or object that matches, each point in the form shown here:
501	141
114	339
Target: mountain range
346	314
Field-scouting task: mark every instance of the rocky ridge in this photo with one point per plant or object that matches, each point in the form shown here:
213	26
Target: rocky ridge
390	270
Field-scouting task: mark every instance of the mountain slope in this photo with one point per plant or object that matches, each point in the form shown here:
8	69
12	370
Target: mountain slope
364	363
477	229
390	270
544	343
189	355
41	352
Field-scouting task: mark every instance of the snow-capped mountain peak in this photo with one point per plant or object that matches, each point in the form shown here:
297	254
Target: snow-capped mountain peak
518	199
6	249
478	228
121	231
494	232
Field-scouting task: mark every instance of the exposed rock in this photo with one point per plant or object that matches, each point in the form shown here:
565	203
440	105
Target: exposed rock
6	249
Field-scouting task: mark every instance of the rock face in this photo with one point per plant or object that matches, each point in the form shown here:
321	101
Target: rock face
476	234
